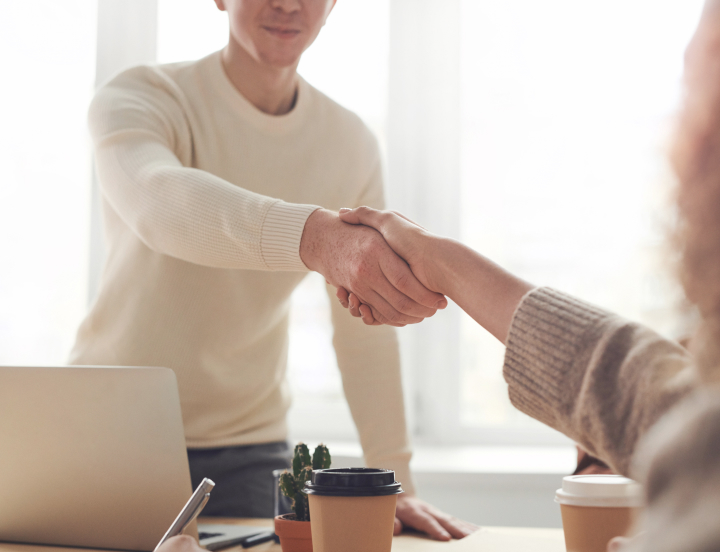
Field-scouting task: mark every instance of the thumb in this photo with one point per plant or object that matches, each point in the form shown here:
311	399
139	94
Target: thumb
349	215
362	215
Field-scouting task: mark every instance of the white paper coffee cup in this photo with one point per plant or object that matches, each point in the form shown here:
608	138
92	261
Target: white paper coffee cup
596	508
609	491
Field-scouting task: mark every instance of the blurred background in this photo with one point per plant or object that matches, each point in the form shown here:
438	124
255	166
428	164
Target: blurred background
533	131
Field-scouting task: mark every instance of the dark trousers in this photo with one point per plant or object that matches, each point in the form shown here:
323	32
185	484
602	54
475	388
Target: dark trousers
243	477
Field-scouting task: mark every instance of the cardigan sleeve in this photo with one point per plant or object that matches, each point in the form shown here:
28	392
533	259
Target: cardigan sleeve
600	379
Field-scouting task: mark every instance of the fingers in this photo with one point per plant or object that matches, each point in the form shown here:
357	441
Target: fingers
342	295
371	217
402	278
363	215
422	521
373	270
180	543
354	305
413	512
407	219
457	528
397	528
384	312
367	315
617	544
356	308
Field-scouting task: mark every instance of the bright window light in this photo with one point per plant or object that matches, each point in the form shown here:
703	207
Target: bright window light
48	73
566	110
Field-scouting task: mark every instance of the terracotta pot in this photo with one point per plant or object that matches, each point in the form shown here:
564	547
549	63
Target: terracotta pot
295	536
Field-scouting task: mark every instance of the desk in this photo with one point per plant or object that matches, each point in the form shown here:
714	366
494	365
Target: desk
495	539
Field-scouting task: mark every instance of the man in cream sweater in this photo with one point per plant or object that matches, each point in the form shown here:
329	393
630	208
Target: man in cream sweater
212	174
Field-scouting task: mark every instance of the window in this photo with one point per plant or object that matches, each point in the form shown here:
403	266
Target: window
566	109
45	190
534	131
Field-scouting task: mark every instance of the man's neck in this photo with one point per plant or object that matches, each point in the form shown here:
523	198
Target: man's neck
272	90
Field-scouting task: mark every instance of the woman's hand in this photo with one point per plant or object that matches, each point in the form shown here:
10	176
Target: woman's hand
181	543
359	259
483	289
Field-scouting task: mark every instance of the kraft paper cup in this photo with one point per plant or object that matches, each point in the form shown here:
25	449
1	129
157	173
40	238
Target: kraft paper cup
596	508
352	509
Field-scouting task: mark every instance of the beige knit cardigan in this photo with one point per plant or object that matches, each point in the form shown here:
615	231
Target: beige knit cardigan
631	398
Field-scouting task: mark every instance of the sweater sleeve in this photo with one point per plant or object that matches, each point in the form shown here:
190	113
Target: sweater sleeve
143	152
369	361
599	379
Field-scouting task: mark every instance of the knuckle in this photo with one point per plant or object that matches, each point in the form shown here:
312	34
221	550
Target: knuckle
358	270
403	304
395	317
402	280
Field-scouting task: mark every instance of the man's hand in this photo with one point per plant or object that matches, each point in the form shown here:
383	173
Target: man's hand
414	513
181	543
358	259
407	239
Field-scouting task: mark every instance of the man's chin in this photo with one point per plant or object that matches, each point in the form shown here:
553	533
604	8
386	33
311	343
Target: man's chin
281	53
281	60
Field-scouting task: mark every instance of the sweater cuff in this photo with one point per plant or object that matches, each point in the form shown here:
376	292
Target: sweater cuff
546	335
281	234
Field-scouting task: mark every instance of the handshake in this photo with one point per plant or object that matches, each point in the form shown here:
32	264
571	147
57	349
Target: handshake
382	264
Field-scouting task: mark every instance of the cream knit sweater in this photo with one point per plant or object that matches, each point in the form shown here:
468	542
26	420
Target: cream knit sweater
631	398
205	199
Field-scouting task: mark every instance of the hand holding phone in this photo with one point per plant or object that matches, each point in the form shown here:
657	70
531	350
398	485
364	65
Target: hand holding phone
190	511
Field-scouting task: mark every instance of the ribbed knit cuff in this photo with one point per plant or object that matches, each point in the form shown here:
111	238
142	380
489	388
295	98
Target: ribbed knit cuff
549	330
281	234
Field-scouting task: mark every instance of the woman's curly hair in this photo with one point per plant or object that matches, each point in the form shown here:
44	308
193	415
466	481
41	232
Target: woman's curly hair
696	160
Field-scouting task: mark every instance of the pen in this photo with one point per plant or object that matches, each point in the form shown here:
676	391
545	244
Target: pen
190	511
258	539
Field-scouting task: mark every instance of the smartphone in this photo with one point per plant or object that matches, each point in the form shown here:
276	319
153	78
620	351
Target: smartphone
190	511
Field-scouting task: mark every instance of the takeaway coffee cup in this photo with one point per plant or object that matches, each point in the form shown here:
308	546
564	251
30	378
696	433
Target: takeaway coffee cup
596	508
352	509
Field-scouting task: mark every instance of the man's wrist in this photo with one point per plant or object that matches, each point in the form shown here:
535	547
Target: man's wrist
314	237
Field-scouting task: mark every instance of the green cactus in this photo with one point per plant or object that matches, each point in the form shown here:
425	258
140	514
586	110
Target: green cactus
321	458
292	484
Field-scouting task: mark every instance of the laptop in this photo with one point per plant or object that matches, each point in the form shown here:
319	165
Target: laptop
92	457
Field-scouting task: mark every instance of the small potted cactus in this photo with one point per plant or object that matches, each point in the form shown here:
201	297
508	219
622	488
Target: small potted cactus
294	529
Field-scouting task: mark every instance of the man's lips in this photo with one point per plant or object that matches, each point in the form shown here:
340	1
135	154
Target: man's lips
282	32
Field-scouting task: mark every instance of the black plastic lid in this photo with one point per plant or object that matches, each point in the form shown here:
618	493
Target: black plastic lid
353	482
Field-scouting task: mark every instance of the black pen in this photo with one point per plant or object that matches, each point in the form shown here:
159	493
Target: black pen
258	539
